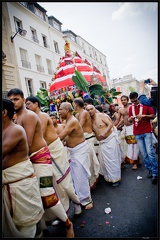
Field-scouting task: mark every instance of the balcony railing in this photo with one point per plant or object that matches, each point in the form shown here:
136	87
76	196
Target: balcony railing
35	39
40	68
26	64
57	51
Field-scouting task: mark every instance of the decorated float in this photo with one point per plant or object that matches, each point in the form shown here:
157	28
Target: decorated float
75	77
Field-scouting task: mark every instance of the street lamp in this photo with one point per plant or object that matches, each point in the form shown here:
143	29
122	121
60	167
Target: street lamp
22	32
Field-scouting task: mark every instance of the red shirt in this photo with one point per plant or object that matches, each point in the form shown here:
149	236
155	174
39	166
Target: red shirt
144	125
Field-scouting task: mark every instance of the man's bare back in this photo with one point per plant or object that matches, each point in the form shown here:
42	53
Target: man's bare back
32	125
49	131
14	145
28	120
85	121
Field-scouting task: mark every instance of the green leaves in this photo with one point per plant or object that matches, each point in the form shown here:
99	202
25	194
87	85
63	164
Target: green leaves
80	81
96	89
44	99
113	92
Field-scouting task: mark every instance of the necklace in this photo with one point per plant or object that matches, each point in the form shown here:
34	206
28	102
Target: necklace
134	115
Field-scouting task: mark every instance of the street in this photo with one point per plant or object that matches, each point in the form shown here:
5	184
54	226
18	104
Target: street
134	209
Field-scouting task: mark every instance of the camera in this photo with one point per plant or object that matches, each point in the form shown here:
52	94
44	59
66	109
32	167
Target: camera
147	81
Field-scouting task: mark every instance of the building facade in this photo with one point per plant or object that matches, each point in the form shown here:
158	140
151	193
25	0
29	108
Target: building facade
37	44
127	84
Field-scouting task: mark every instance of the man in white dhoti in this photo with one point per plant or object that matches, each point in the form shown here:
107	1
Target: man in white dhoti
132	150
60	162
73	137
114	129
86	123
108	151
21	200
42	162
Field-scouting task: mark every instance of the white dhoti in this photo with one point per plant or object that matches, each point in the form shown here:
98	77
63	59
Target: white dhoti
119	138
124	145
110	158
62	178
80	170
132	154
22	204
95	166
96	145
42	163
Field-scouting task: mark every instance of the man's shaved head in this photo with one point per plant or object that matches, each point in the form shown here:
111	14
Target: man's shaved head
67	106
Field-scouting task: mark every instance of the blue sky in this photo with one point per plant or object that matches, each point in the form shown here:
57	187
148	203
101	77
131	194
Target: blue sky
126	32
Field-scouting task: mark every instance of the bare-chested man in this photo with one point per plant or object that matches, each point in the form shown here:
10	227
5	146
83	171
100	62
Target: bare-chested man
79	153
41	160
86	123
88	101
132	152
108	150
26	208
100	109
61	167
58	126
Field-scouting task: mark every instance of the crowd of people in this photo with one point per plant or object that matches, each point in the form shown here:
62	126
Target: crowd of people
52	159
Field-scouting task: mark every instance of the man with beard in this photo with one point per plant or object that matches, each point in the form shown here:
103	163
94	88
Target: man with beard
62	176
42	162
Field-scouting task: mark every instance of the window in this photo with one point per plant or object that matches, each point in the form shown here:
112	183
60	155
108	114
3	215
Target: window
43	84
45	41
24	4
40	68
95	55
100	58
56	25
34	35
49	66
39	13
38	59
24	58
73	38
83	48
18	24
56	47
90	54
29	85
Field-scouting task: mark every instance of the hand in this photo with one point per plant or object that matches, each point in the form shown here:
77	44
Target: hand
152	82
139	116
131	119
100	137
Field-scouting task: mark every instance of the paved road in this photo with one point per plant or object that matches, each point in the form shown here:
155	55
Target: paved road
134	209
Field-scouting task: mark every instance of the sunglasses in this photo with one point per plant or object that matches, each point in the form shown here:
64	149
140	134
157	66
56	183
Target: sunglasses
134	101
